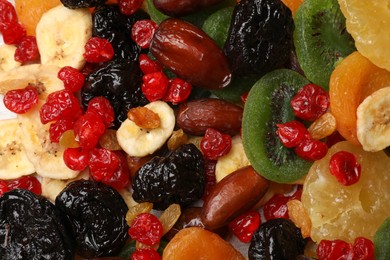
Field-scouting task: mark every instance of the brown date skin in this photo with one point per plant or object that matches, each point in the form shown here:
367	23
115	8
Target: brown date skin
182	7
232	196
191	54
195	116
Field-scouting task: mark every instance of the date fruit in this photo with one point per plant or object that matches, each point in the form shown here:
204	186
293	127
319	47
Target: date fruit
232	196
191	54
182	7
194	117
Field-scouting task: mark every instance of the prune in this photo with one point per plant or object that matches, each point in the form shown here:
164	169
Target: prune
74	4
276	239
119	82
95	213
176	178
109	23
31	227
260	37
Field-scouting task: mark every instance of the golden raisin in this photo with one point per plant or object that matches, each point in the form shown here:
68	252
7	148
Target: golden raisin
177	139
299	216
144	117
109	141
323	126
169	217
133	212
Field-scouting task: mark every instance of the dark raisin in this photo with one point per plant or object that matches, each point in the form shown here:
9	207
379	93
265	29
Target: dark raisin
119	82
109	23
31	227
176	178
95	213
276	239
260	37
73	4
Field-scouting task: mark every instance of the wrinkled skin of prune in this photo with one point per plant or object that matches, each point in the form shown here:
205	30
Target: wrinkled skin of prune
31	227
109	23
176	178
276	239
95	213
118	81
260	37
74	4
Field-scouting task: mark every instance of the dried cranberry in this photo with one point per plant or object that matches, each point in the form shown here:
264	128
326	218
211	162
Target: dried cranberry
142	32
102	107
76	159
103	163
3	187
336	249
178	91
276	207
98	50
311	150
310	102
14	34
59	127
120	178
146	229
147	65
21	100
88	128
244	97
129	7
244	226
60	104
30	183
334	138
215	144
292	133
363	249
72	78
345	167
8	16
211	180
155	86
145	254
27	50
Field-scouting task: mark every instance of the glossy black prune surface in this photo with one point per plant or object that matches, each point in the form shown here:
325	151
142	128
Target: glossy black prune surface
74	4
260	37
95	213
31	227
118	81
276	239
176	178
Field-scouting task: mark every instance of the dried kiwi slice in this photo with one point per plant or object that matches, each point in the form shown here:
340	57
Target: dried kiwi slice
268	103
382	241
321	39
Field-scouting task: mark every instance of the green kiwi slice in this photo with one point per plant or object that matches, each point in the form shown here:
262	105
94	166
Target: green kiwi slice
268	104
321	39
382	241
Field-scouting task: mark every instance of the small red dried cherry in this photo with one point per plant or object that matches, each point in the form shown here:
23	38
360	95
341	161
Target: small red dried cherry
88	128
215	144
244	226
30	183
146	229
363	249
311	150
102	107
98	50
129	7
76	159
103	163
335	249
147	65
276	207
14	33
72	78
121	177
8	16
145	254
345	167
142	32
155	86
178	91
292	133
21	100
3	187
27	50
211	180
59	127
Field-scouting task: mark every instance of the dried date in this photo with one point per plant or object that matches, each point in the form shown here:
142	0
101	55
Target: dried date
182	7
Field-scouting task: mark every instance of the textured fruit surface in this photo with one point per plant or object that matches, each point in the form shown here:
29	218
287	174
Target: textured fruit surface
337	211
381	241
365	21
30	11
351	82
199	244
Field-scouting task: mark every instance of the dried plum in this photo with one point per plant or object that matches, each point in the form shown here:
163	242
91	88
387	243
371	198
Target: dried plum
95	213
260	37
118	81
276	239
31	227
176	178
74	4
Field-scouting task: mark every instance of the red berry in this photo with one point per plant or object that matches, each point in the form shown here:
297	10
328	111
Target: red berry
60	104
120	178
72	78
76	159
155	86
334	138
8	16
58	128
292	133
211	180
102	107
98	50
145	254
129	7
142	32
30	183
244	97
146	229
276	207
345	167
310	102
21	100
27	50
3	187
178	91
14	34
103	163
215	144
311	150
88	128
148	65
245	226
363	249
336	249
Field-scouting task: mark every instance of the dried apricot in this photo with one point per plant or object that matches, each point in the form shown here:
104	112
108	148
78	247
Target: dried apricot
293	5
351	82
